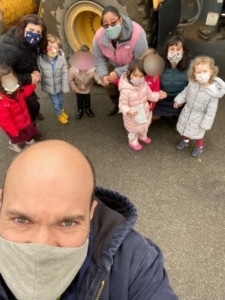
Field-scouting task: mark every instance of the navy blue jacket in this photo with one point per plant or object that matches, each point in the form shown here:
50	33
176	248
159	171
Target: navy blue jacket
121	264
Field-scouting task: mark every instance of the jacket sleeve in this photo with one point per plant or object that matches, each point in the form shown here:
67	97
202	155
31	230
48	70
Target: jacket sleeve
72	79
123	103
102	61
181	97
65	78
6	122
28	90
210	114
149	278
97	78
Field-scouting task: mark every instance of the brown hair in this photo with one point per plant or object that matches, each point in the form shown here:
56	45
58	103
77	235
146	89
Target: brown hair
203	60
136	64
34	19
111	9
185	61
54	39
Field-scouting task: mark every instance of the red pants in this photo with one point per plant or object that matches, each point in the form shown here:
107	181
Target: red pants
199	142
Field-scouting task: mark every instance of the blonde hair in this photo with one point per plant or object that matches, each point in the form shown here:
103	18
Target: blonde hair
54	39
203	60
148	52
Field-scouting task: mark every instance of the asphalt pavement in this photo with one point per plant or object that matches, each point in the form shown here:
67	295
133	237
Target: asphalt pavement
180	199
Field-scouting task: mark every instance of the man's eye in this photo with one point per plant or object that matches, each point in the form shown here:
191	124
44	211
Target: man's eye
21	220
69	223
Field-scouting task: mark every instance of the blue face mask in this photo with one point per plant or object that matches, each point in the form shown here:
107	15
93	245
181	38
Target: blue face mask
113	32
33	38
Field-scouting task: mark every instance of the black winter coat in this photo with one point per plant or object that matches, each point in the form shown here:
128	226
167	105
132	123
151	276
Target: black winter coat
19	55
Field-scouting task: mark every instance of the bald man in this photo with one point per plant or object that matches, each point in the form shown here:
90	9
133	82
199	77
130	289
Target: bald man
63	238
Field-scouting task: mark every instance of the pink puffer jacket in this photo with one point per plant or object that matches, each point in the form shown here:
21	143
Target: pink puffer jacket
131	96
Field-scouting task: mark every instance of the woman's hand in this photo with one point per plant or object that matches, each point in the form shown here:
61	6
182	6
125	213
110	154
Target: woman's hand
36	77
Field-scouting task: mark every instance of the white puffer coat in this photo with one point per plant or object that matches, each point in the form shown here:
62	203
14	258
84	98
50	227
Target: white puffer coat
200	108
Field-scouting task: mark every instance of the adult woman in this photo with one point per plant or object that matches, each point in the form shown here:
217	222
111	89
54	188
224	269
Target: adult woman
19	48
116	44
174	78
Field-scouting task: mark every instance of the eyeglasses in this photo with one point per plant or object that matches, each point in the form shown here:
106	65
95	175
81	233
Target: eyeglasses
113	24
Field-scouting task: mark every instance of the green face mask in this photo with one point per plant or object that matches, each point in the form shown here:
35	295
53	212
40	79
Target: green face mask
113	32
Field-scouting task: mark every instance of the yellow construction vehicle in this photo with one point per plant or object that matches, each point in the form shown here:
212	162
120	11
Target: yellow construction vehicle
202	22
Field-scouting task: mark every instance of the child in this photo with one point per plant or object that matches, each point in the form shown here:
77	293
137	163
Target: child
14	115
54	76
81	76
153	66
133	104
201	101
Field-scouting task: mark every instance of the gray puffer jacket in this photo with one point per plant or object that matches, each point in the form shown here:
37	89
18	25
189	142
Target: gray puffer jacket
54	74
199	112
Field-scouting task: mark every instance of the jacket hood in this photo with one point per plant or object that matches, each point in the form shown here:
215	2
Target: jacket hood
114	218
217	89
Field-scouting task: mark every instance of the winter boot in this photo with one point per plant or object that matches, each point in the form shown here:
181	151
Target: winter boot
65	115
115	106
62	120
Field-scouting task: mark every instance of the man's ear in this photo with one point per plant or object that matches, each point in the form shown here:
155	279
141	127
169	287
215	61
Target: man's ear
94	204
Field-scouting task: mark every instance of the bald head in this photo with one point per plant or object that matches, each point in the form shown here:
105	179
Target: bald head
49	161
48	193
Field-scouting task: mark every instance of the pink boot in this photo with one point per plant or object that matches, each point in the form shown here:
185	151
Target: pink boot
147	140
136	147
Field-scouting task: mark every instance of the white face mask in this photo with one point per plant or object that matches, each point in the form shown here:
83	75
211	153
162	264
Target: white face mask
137	81
34	271
174	57
203	78
113	32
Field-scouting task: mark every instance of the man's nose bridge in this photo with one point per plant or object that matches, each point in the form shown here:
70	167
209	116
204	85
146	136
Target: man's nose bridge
44	235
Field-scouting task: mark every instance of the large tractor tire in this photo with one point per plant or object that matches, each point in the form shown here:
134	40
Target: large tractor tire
76	22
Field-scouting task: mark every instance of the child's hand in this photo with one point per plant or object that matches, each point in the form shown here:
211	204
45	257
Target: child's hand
76	90
162	95
176	105
106	80
132	113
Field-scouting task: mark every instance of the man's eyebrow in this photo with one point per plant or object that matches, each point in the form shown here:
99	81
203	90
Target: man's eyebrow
79	218
17	213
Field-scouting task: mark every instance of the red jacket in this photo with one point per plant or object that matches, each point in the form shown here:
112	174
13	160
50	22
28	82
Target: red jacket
14	114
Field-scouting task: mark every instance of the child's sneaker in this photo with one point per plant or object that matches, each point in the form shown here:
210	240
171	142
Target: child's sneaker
136	147
182	144
31	142
14	147
197	151
147	140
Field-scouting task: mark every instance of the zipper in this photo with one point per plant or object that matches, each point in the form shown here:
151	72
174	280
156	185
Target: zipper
100	289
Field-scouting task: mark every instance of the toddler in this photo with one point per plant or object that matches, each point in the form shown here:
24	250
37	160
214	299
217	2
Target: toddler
133	104
82	74
201	100
14	115
54	76
153	66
